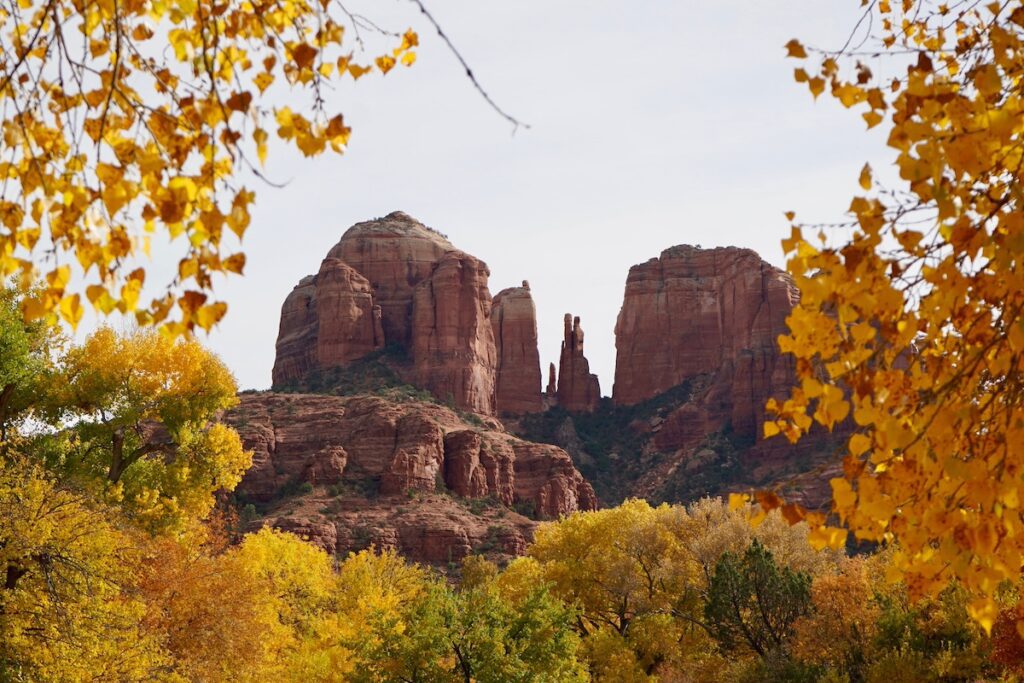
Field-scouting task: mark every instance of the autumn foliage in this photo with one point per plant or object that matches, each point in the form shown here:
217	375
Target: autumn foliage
128	123
910	329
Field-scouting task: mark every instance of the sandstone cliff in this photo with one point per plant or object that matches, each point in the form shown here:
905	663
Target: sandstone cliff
514	321
452	342
395	282
356	470
693	312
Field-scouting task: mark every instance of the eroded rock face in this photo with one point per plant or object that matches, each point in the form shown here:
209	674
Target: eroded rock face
694	312
394	254
297	334
452	341
514	321
395	281
578	389
389	459
349	320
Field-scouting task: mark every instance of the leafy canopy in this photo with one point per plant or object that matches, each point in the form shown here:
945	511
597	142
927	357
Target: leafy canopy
136	414
125	122
910	327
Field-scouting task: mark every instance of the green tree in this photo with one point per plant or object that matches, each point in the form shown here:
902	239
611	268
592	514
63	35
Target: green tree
24	356
753	602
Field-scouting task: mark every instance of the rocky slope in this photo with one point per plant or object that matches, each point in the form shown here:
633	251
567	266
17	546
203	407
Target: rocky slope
350	471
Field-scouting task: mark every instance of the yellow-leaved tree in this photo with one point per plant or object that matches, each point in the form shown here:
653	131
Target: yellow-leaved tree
136	413
910	326
124	121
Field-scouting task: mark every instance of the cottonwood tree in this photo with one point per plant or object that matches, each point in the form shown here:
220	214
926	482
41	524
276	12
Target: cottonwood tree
136	413
910	324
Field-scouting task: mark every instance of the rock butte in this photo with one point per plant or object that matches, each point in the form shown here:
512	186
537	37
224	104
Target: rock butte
694	312
696	354
394	281
514	321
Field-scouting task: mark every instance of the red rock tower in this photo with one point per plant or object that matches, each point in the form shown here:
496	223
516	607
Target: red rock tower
514	321
578	389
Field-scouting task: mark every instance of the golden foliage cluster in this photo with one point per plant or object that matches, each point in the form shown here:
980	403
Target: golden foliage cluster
910	329
124	122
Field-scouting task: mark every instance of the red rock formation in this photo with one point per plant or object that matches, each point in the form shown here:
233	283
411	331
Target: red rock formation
390	458
475	468
328	320
578	390
693	312
394	254
546	478
296	338
349	321
551	391
395	280
514	321
452	340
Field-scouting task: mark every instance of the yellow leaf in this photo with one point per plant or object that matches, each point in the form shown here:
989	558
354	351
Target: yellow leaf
207	316
59	277
263	81
984	611
843	494
738	500
234	263
71	309
859	444
795	49
304	55
827	537
865	177
259	136
385	63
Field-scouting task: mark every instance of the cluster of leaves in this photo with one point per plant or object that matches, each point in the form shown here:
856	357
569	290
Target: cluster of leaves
910	327
130	418
124	122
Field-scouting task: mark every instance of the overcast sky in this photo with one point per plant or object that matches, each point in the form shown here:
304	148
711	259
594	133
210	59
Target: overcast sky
653	123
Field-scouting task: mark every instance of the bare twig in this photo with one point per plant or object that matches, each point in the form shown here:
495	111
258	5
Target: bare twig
516	123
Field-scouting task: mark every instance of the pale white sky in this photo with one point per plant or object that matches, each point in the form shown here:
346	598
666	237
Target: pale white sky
654	123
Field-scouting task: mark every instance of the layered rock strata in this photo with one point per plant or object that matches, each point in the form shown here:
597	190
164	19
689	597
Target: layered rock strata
514	322
384	454
393	281
693	313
